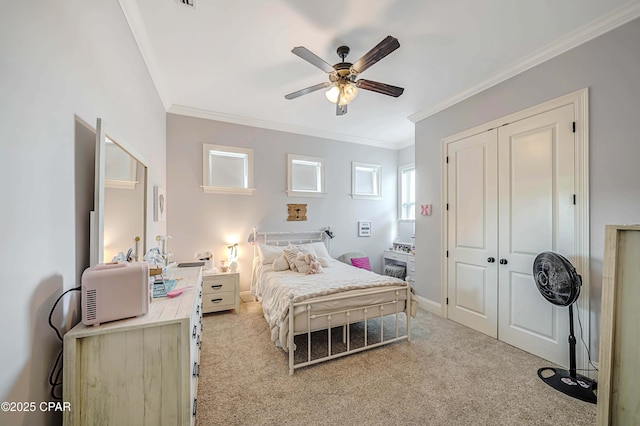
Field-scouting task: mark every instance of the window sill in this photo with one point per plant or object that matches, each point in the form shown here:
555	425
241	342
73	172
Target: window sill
365	197
223	190
305	194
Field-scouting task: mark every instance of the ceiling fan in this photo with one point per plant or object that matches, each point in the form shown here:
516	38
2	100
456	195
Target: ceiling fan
342	84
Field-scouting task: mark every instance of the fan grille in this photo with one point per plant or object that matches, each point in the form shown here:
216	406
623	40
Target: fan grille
556	279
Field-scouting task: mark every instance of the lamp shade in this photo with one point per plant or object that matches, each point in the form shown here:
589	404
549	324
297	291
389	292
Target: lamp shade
341	93
333	93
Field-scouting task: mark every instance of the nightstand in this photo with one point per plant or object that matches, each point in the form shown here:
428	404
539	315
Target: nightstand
220	291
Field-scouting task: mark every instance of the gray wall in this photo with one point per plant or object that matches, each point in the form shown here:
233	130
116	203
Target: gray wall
608	66
406	155
199	221
58	59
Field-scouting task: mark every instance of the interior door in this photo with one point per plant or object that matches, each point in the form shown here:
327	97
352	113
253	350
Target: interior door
472	232
536	214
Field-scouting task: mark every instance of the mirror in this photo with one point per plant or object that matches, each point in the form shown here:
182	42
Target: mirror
119	215
124	203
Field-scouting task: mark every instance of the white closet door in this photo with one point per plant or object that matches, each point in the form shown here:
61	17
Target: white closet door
472	232
536	214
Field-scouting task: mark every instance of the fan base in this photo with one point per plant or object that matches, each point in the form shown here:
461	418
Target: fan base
581	387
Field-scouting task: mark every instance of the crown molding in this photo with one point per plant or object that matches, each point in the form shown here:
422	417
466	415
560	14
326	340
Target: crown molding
404	144
136	25
606	23
271	125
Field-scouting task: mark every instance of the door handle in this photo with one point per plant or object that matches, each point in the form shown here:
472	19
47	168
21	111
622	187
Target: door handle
491	259
503	261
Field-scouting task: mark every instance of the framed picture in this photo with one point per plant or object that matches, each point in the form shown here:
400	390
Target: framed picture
364	229
159	204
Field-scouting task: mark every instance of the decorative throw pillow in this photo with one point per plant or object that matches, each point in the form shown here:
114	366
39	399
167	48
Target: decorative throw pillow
361	262
290	255
280	264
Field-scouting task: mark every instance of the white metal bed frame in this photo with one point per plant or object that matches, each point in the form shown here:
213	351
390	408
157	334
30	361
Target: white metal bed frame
361	313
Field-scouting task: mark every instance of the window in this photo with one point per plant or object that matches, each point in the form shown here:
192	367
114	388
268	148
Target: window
366	181
407	196
227	169
305	176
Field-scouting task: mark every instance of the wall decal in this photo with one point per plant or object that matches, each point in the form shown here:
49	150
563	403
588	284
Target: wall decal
425	209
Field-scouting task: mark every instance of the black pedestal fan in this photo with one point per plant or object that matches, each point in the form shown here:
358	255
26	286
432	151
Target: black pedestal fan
559	283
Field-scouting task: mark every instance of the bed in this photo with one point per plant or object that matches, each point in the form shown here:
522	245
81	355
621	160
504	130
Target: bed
341	301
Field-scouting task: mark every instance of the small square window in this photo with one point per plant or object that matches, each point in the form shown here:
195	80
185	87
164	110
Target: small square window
227	170
305	176
366	181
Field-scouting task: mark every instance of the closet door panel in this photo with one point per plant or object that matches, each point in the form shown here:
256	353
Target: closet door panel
472	234
536	164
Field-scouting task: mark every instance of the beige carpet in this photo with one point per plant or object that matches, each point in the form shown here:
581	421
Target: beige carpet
447	375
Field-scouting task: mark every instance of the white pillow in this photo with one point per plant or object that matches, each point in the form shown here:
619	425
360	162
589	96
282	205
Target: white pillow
324	262
269	253
280	264
304	248
321	250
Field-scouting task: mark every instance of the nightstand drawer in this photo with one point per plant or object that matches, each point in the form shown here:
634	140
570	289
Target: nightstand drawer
218	285
223	300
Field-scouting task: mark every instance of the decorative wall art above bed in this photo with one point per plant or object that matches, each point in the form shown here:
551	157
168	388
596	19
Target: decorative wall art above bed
297	212
321	316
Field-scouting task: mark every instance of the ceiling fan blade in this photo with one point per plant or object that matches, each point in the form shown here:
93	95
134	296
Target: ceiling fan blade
341	109
385	89
309	89
382	49
312	58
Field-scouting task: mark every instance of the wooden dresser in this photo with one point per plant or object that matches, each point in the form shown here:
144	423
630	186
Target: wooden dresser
138	371
619	376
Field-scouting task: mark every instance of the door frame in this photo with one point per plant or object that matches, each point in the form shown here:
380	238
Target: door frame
579	99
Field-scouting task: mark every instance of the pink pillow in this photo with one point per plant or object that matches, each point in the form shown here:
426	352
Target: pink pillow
361	262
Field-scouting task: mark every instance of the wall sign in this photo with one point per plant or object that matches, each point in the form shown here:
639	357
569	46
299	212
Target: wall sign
297	212
364	229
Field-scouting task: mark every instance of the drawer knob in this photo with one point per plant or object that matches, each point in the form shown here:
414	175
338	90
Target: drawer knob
216	300
216	286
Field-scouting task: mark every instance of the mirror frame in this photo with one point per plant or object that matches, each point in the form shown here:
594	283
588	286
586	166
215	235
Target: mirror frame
96	233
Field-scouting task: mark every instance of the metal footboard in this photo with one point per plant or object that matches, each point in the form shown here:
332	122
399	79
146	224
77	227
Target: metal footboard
367	312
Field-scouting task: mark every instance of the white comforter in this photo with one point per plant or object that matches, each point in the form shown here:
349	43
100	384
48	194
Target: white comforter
274	288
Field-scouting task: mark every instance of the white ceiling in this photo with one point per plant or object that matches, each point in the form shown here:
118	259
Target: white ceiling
232	60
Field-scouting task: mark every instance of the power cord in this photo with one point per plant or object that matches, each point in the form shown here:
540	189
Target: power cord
585	345
54	377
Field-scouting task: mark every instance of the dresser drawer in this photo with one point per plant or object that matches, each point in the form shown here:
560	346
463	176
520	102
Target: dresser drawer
391	255
222	300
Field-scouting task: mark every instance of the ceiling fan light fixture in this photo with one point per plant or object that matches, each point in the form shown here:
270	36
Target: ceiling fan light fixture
333	93
341	93
349	93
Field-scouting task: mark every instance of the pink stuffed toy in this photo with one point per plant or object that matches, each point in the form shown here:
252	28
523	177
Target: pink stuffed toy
314	266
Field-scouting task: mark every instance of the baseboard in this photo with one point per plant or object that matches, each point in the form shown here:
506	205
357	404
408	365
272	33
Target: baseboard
429	305
246	297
